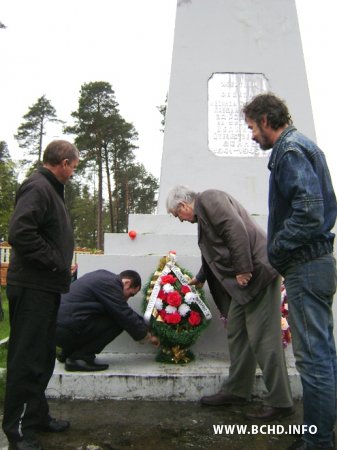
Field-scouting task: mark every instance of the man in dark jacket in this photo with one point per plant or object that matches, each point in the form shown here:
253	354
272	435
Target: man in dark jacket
93	313
246	290
302	213
41	237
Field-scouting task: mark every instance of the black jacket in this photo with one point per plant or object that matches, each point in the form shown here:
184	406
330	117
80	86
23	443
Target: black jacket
41	235
99	293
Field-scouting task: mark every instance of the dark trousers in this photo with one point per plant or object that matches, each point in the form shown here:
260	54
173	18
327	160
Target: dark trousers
31	360
84	344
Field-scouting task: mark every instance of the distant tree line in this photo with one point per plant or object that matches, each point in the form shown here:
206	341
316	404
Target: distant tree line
108	185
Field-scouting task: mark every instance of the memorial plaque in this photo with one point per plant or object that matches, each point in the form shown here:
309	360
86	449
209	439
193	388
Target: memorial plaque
228	134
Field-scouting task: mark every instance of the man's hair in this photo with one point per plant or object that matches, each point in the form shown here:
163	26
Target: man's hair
59	150
133	276
275	110
177	195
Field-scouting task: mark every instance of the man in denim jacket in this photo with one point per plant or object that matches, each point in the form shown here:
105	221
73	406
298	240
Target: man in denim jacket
302	212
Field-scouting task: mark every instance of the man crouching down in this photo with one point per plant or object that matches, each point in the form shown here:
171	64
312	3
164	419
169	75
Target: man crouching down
93	313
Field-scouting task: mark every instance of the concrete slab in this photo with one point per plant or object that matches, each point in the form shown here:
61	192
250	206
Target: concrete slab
140	377
150	244
160	224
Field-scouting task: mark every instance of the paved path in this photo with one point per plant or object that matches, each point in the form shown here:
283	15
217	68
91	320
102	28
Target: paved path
141	425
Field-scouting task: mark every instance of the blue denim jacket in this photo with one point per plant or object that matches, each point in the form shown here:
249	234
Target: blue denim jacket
302	202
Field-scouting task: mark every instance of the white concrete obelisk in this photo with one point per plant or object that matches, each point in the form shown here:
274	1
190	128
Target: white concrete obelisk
226	51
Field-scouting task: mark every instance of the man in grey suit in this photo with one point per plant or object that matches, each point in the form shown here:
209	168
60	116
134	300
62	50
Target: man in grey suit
246	290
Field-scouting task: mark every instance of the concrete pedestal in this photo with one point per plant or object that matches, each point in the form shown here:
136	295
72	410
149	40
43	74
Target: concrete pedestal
136	376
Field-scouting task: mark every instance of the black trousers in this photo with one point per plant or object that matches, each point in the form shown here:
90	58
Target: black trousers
84	344
30	361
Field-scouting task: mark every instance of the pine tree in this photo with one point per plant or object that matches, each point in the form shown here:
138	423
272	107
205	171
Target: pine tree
30	133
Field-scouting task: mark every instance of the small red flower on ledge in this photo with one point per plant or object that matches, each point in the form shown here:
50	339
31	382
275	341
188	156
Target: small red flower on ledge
132	234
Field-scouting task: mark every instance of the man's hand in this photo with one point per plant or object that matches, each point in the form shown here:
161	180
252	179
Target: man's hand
153	340
244	278
196	283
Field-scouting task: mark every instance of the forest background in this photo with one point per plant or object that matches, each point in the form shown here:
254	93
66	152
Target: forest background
55	48
109	184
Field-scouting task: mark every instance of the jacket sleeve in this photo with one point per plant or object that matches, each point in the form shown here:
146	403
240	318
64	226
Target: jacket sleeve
301	188
227	223
200	276
26	229
110	295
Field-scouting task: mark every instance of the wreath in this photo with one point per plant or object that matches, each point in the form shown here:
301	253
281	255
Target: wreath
176	312
285	327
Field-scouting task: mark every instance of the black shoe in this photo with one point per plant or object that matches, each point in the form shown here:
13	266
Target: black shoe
222	399
268	413
25	444
55	426
79	365
60	355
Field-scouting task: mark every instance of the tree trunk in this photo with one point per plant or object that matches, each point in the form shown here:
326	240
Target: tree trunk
100	202
109	189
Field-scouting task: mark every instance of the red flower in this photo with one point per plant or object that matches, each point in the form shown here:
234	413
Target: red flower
162	295
168	279
172	318
194	319
286	338
162	313
184	289
174	299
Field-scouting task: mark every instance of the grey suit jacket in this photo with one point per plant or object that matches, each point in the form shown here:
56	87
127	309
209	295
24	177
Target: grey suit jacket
231	243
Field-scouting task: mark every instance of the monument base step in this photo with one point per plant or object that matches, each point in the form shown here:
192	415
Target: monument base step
138	376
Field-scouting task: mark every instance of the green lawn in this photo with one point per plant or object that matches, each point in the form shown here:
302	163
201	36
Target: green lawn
4	325
4	332
4	328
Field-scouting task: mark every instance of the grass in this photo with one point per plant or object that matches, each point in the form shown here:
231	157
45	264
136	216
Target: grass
4	332
4	325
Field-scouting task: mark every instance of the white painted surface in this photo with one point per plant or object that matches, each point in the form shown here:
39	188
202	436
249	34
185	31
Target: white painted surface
137	376
240	36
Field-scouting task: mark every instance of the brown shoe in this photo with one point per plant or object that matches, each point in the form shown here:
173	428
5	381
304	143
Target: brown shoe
221	398
268	413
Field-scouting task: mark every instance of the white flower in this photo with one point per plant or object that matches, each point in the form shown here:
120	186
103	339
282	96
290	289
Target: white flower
189	298
158	304
168	288
172	257
183	309
170	309
284	324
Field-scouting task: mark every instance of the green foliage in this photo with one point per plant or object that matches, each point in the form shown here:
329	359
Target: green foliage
30	133
175	339
109	186
8	186
107	148
136	190
97	126
162	109
82	205
4	328
4	333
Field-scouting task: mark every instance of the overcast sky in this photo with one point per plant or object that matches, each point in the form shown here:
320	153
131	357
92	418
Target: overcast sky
52	47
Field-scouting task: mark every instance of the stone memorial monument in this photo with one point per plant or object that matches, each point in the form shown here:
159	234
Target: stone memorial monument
225	52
